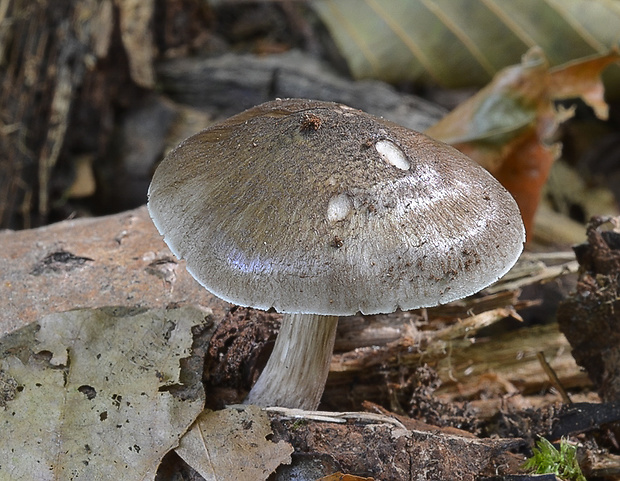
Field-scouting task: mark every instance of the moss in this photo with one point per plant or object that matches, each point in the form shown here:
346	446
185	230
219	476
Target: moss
547	459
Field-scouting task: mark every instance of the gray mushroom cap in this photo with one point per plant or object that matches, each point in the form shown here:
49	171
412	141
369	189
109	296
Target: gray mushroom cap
314	207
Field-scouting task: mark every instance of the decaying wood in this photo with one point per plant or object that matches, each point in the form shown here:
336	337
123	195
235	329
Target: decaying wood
69	69
238	82
469	368
590	318
118	260
392	447
604	466
54	49
533	268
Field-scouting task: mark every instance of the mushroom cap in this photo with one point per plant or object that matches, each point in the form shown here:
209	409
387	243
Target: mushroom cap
314	207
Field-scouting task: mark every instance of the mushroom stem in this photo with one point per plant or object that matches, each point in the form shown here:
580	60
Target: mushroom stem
295	374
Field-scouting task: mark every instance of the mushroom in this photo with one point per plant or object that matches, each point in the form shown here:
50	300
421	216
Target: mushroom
318	210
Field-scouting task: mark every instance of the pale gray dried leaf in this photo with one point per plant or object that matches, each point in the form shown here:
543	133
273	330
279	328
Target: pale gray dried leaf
99	401
232	445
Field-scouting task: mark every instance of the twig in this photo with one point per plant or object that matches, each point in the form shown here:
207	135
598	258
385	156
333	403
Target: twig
553	377
335	417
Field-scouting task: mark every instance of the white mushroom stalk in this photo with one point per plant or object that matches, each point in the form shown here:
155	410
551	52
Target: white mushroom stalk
316	208
297	369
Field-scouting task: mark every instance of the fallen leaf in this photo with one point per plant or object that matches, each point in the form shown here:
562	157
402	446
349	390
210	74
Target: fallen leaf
344	477
582	78
232	444
508	126
95	396
460	44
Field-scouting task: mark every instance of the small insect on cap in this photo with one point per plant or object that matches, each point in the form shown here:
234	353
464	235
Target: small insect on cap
314	207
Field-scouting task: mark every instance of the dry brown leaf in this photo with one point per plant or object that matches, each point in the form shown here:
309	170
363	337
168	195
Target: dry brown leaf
524	172
344	477
507	127
582	78
232	445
